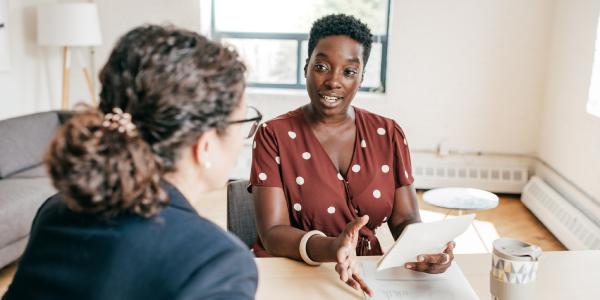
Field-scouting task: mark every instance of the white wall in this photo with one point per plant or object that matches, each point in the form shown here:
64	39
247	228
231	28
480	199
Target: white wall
468	72
34	81
118	16
465	71
569	136
26	87
504	76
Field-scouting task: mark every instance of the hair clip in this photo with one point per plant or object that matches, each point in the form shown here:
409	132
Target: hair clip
120	121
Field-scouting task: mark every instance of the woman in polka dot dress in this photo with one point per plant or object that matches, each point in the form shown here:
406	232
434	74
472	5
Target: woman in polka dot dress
332	167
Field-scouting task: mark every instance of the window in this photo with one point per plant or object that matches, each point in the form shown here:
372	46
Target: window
593	105
272	36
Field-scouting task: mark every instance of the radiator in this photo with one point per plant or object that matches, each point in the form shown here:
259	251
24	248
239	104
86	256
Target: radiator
494	174
574	228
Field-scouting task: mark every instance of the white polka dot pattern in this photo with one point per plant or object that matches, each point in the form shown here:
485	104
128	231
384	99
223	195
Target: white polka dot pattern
377	194
371	169
385	168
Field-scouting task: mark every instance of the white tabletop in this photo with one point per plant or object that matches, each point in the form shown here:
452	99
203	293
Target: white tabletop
461	198
569	275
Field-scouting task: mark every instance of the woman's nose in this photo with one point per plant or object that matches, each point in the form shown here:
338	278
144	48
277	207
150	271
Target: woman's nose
333	81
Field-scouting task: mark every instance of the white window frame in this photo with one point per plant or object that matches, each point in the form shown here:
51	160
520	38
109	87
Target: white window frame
593	103
209	29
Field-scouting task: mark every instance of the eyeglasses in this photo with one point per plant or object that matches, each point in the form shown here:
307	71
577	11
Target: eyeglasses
250	123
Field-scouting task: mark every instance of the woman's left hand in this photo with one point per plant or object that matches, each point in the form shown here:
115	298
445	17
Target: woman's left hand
433	263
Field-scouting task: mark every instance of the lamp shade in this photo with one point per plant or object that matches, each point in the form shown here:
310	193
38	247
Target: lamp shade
68	24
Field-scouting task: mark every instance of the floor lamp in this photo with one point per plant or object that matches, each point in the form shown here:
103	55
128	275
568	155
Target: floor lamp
69	25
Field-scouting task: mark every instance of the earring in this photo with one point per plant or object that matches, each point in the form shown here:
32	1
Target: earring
205	163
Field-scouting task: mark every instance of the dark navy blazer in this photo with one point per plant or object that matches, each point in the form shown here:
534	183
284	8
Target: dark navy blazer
176	254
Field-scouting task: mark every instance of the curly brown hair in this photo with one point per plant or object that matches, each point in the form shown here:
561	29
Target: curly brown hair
175	84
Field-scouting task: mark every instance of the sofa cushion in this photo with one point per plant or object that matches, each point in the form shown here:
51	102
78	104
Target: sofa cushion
34	172
19	201
24	141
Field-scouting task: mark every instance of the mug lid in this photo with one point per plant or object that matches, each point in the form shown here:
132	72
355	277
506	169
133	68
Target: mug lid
512	249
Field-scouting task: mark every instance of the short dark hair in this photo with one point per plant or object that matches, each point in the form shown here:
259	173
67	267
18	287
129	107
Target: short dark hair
341	24
175	84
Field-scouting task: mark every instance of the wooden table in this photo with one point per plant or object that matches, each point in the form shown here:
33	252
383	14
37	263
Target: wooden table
568	275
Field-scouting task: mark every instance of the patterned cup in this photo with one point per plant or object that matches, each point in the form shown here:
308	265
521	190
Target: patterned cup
514	269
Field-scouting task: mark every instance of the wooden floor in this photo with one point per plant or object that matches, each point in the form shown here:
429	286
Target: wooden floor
509	219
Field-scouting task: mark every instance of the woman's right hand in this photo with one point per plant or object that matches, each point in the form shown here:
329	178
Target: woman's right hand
345	247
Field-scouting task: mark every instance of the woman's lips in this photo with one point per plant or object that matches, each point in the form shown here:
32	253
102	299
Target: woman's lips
331	99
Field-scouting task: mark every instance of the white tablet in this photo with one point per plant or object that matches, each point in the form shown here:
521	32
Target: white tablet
423	238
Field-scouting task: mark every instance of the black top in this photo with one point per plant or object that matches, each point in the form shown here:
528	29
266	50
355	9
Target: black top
176	254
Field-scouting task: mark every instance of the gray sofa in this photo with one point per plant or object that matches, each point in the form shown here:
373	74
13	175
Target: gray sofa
24	184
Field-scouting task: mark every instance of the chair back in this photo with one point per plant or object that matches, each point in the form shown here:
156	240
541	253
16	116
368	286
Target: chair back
240	212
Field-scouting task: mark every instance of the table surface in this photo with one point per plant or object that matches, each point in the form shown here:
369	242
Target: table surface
461	198
569	275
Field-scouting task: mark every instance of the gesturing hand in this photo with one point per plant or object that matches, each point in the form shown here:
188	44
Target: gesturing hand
346	265
434	263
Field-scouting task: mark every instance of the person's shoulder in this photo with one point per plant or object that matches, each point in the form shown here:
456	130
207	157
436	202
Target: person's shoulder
181	217
198	232
217	236
222	268
280	126
51	204
211	238
53	208
283	121
381	125
215	256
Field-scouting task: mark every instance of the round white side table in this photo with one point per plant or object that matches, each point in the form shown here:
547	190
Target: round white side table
462	199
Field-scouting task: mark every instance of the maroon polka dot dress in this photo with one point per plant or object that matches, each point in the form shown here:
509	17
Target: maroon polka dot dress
287	154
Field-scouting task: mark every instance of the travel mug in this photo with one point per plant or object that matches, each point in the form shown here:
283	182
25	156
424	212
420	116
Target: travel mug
514	269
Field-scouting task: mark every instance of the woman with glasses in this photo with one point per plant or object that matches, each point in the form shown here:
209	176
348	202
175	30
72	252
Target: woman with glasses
168	129
327	174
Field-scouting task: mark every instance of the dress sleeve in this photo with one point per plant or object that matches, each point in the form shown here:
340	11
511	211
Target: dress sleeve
266	161
402	164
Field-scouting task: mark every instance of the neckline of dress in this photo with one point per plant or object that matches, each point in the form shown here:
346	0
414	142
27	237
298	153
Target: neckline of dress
322	149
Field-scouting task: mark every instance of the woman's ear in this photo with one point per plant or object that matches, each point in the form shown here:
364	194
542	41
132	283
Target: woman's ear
203	148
